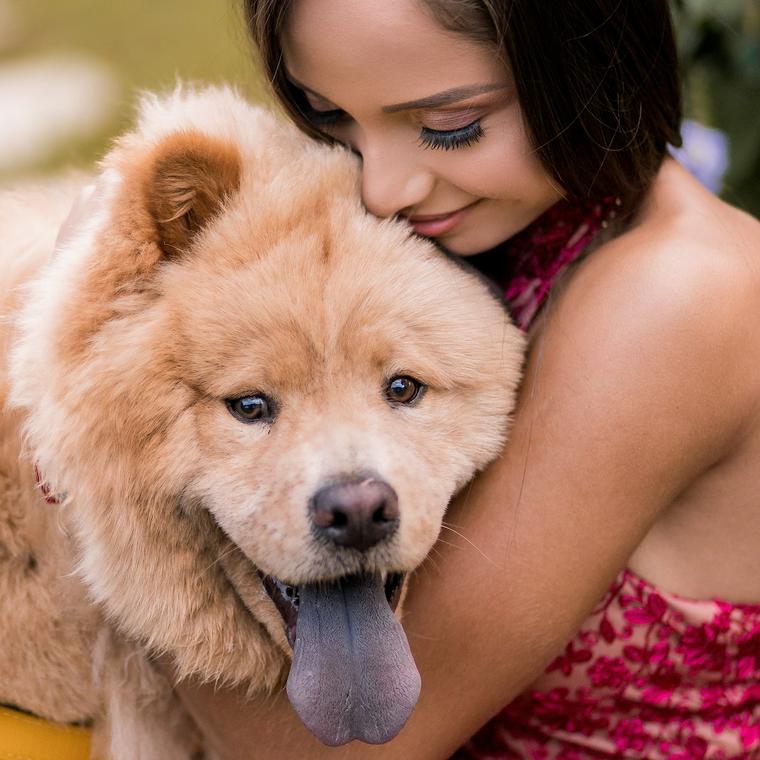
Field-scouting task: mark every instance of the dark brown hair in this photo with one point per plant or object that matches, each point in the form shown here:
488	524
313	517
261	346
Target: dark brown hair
598	81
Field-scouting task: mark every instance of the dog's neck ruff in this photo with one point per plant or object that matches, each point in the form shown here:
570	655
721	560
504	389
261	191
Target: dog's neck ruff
541	252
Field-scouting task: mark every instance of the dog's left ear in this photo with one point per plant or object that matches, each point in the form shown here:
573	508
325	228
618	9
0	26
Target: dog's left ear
191	176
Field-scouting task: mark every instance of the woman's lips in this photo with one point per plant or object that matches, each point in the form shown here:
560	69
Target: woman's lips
434	225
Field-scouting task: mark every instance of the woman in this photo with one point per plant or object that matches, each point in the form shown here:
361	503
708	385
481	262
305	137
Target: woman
539	136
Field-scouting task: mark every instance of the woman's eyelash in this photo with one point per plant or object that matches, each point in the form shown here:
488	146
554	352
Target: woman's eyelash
314	116
451	139
324	118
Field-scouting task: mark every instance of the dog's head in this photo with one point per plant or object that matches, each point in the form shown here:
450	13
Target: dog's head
236	373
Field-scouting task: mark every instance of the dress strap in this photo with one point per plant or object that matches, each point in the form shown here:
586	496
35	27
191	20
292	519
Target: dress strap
540	253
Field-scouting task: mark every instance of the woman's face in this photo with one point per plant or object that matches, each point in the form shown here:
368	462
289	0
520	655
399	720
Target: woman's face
433	114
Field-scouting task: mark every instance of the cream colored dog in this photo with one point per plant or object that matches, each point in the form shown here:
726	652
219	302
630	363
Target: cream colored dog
258	400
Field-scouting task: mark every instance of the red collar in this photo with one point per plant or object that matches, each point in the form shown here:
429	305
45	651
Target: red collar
44	488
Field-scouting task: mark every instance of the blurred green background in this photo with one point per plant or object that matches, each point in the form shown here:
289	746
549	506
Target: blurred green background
719	42
128	45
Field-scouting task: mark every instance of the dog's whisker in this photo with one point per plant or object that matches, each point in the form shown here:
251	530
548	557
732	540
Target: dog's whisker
473	545
432	558
222	556
430	565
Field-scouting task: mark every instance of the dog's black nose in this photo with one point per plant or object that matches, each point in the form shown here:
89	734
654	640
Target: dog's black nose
357	513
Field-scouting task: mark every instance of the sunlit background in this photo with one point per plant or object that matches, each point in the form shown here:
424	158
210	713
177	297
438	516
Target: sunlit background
70	71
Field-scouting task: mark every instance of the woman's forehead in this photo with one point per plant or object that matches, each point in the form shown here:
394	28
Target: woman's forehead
386	51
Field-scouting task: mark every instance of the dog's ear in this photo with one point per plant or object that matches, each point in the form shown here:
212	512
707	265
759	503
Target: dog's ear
191	176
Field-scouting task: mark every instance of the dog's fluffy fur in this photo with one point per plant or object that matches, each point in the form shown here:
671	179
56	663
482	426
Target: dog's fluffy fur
224	254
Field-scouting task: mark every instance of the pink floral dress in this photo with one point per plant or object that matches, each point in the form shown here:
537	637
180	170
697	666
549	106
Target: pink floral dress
650	675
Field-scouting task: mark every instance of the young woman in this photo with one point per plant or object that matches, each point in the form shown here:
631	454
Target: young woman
624	515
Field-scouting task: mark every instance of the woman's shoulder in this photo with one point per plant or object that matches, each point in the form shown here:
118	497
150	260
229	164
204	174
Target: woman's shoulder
674	300
689	263
684	238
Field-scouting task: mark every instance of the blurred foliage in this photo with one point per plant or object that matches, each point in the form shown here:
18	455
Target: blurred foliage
719	42
149	44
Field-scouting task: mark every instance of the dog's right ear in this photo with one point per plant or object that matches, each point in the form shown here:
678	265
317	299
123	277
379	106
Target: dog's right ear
189	177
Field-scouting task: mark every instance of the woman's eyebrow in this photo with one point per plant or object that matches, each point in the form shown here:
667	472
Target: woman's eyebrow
444	98
431	101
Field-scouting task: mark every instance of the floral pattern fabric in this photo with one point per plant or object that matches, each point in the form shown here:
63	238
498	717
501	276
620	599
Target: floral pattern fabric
649	675
537	256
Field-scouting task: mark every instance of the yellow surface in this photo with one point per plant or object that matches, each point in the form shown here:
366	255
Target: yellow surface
24	737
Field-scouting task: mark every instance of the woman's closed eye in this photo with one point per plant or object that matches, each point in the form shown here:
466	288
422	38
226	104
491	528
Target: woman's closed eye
451	139
451	128
318	112
435	139
322	116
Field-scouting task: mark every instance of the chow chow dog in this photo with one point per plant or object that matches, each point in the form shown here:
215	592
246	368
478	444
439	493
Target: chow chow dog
235	408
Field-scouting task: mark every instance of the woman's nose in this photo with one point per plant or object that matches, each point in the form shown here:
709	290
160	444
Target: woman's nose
391	184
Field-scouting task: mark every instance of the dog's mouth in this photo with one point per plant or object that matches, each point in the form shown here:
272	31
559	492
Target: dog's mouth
287	599
353	676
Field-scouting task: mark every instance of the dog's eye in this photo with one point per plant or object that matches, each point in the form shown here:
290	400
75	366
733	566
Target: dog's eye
257	408
403	389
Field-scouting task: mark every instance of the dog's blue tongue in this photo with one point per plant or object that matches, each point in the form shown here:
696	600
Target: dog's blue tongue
353	676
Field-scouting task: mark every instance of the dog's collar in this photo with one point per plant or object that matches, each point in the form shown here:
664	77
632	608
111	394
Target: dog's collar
47	494
32	738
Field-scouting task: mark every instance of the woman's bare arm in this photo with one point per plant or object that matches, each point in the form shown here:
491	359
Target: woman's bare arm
617	415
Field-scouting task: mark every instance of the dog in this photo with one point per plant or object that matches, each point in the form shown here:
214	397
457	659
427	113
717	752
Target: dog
235	409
